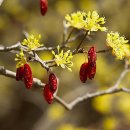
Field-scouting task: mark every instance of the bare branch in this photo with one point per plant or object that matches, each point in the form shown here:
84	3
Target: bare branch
113	89
10	48
11	74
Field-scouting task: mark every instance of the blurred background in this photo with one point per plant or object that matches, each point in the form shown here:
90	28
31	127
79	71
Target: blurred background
22	109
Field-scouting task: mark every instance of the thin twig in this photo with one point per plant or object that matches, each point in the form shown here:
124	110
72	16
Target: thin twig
82	40
10	48
66	41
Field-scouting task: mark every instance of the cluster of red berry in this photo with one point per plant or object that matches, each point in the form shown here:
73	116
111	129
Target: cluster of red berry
25	73
50	88
88	69
43	6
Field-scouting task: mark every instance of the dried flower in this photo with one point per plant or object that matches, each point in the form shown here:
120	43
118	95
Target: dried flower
84	72
48	94
53	82
28	78
43	6
19	73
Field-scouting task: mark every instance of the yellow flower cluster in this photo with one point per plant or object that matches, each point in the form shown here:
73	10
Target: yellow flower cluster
63	59
32	42
87	21
21	59
119	45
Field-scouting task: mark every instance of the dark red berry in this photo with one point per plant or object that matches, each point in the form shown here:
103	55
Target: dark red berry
28	78
92	70
83	72
48	94
43	6
53	82
19	73
92	54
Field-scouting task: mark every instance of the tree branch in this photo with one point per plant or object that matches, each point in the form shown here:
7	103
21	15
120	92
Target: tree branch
71	105
113	89
12	74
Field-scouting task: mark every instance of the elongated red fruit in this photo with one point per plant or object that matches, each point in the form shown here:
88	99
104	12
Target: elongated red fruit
83	72
19	73
48	94
53	82
92	54
43	6
28	78
92	70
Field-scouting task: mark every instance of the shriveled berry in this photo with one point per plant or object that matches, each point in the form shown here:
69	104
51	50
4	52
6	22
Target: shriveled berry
28	78
43	6
92	70
83	72
92	54
53	82
19	73
48	94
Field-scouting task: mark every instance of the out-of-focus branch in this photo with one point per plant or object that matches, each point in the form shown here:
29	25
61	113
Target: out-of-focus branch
1	1
10	48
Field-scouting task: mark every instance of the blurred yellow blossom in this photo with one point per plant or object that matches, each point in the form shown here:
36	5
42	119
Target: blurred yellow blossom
21	59
56	111
88	21
119	45
63	59
110	123
32	42
103	103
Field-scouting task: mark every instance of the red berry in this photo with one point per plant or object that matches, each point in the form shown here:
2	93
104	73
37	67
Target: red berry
92	70
28	78
43	6
92	54
19	73
48	94
53	82
83	72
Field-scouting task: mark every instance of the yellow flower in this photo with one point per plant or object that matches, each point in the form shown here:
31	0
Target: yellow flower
119	45
94	22
63	59
21	59
88	21
32	42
